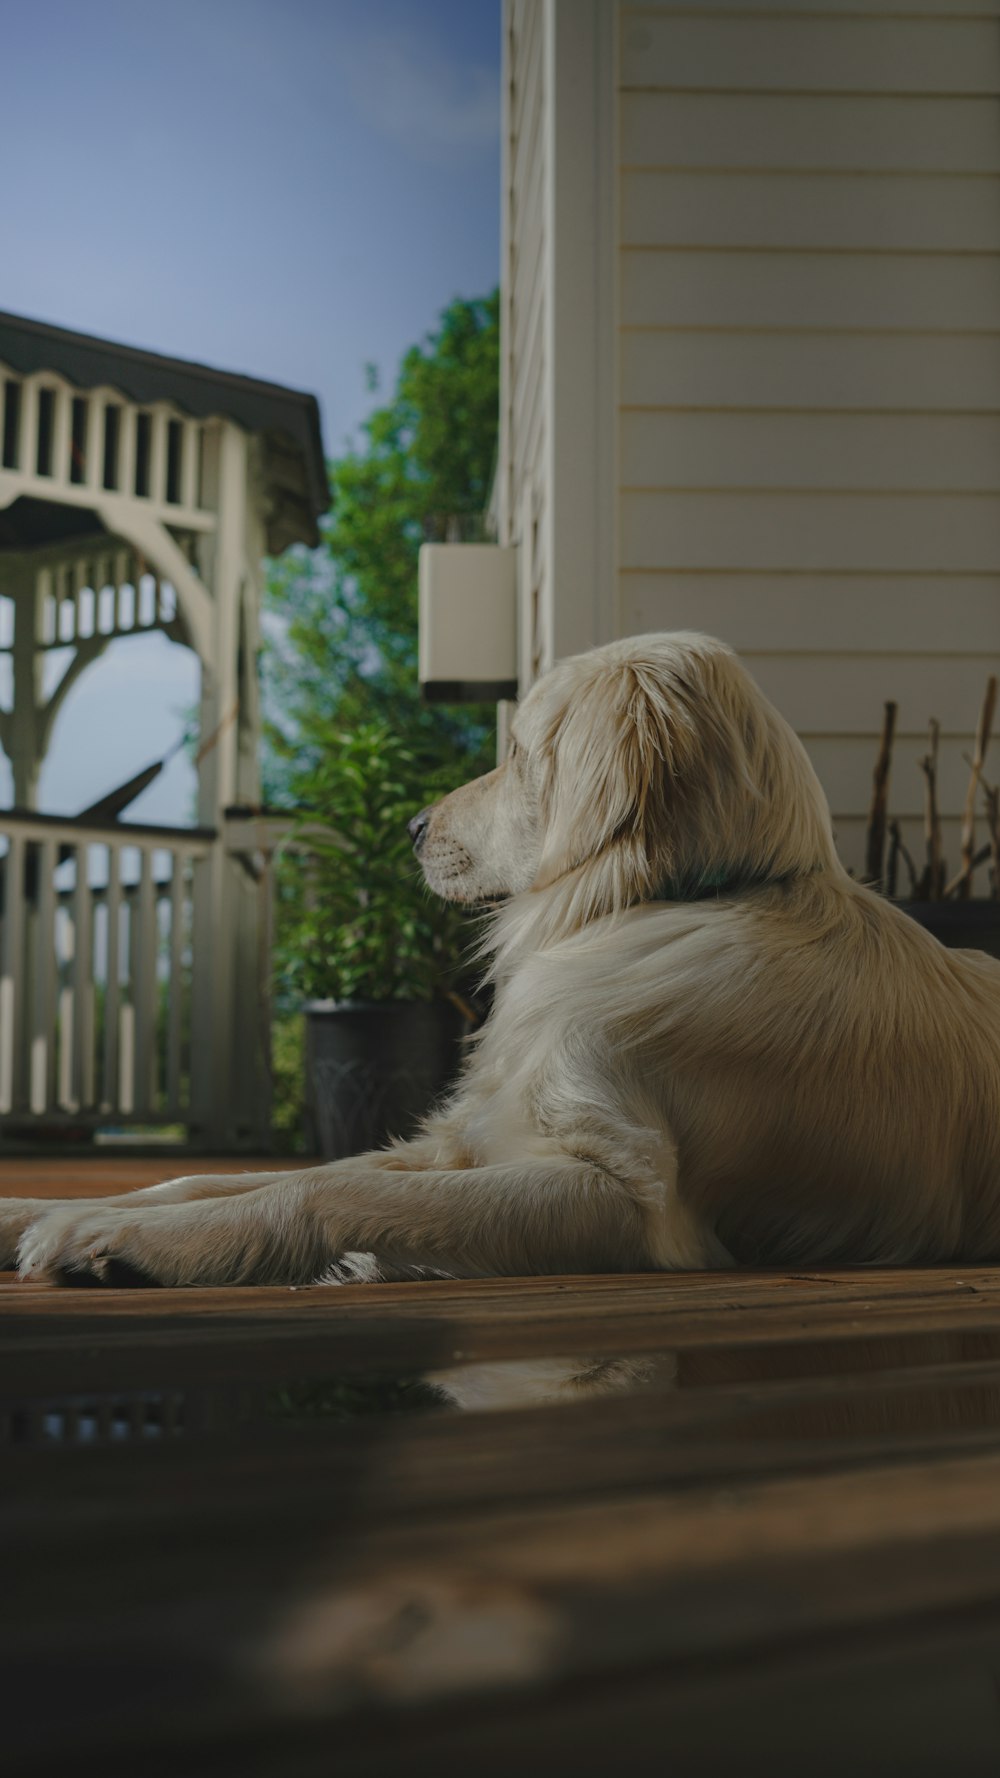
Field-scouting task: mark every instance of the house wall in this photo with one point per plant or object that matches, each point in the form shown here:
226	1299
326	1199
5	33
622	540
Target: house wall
523	397
809	364
557	482
787	386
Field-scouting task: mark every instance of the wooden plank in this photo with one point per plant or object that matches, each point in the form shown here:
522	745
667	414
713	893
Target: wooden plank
918	213
951	533
860	134
873	453
61	1341
801	613
250	1621
378	1468
768	53
108	1171
920	292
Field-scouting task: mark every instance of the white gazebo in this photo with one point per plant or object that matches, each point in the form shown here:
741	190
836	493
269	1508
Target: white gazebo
139	493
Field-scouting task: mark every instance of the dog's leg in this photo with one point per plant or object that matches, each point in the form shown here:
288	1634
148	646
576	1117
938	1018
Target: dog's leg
556	1215
18	1214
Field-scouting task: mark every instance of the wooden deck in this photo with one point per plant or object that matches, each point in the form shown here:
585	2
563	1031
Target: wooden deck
786	1555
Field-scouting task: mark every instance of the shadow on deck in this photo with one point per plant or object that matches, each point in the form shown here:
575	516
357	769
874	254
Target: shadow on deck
227	1544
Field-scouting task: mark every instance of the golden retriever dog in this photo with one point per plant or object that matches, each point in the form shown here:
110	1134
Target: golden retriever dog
709	1046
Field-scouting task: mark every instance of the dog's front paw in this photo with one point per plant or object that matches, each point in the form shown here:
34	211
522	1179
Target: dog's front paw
97	1245
16	1216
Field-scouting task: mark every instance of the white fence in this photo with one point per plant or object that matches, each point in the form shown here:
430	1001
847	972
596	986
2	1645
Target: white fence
135	977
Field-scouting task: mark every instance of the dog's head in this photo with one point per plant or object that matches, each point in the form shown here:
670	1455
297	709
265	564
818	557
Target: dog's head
650	766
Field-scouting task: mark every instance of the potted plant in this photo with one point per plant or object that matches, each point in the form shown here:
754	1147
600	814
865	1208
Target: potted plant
375	961
942	901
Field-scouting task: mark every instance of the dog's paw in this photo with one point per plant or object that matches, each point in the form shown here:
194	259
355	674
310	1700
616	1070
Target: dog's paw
91	1245
16	1216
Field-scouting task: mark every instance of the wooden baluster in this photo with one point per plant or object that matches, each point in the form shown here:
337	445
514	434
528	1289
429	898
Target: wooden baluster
94	443
123	562
65	948
189	464
176	983
158	456
28	448
83	1086
144	983
47	606
126	450
112	991
62	432
12	1020
80	583
43	1026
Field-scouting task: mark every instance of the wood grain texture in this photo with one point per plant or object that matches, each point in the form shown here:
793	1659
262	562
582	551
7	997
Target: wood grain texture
722	1327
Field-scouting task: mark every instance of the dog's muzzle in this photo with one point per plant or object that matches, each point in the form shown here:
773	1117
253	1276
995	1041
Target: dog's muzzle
417	829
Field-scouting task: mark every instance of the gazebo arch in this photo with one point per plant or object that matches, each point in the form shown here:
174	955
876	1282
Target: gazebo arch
138	493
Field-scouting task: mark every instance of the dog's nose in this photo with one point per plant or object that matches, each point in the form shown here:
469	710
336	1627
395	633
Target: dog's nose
417	828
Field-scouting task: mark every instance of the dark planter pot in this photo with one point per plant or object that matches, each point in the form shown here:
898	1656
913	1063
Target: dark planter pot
962	925
373	1071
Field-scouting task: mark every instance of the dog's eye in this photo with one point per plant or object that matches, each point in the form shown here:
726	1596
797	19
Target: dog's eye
512	754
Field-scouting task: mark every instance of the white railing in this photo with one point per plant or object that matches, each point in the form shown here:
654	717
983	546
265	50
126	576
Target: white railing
93	442
106	969
91	597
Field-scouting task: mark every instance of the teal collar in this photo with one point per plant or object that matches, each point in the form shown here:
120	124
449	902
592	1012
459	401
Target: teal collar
716	884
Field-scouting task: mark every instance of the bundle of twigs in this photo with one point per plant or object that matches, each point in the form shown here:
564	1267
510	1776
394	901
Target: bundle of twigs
932	882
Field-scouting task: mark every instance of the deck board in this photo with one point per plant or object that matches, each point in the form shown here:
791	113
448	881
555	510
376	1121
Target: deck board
788	1542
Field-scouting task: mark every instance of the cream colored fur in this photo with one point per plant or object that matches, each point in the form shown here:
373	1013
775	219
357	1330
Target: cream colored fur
783	1070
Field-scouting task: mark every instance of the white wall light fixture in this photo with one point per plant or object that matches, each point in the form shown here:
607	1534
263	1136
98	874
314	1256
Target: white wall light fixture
468	622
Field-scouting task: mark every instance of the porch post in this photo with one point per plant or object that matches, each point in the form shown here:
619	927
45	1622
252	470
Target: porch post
25	726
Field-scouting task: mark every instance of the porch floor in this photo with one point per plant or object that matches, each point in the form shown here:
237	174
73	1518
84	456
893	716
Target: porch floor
104	1173
788	1543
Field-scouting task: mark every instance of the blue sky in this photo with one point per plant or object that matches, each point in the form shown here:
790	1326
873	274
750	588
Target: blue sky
290	188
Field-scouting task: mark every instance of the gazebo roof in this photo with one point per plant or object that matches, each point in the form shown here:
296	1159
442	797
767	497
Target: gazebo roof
287	420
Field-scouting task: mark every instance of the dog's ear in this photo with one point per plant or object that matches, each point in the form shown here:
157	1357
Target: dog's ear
611	752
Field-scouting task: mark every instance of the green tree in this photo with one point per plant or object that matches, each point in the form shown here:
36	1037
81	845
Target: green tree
340	659
342	636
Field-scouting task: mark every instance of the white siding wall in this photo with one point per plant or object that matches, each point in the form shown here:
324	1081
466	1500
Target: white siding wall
558	484
524	420
809	363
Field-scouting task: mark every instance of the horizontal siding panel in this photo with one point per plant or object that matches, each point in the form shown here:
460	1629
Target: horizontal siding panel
845	766
824	290
908	372
798	54
829	451
922	614
826	694
849	833
913	212
803	531
859	134
934	9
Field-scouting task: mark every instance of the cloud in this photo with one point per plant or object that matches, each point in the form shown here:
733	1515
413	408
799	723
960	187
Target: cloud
411	90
